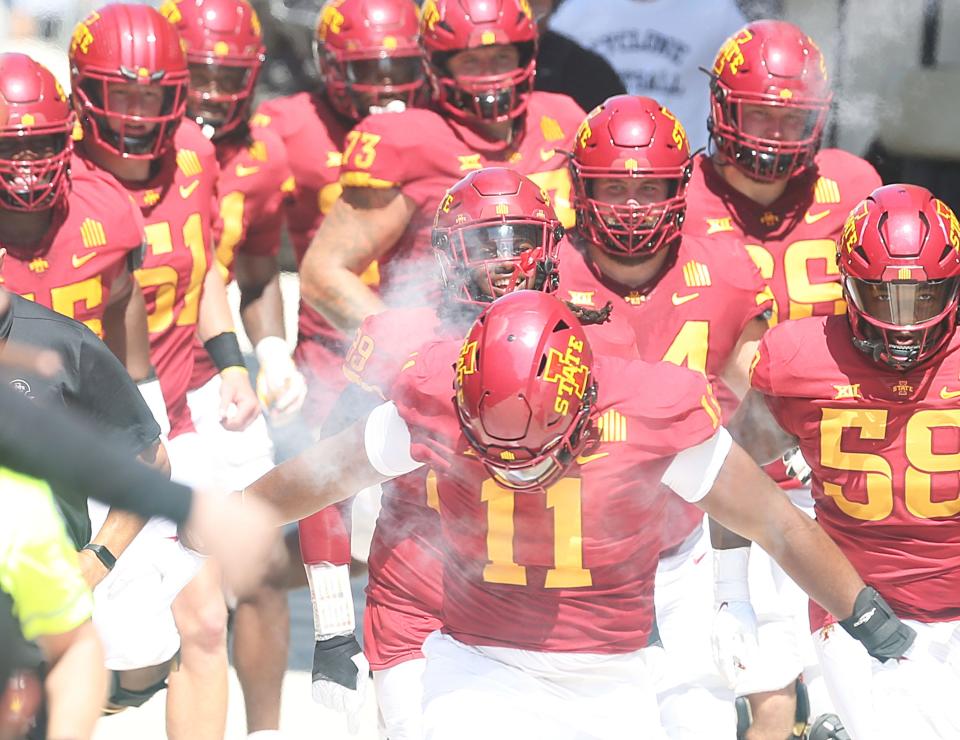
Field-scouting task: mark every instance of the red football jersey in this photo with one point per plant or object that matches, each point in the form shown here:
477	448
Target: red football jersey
570	569
693	316
405	570
793	240
249	215
884	447
312	135
86	248
177	207
423	153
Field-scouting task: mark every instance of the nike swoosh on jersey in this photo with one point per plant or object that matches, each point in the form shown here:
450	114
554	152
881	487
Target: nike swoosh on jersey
79	261
546	154
812	218
947	395
247	171
679	300
584	459
187	190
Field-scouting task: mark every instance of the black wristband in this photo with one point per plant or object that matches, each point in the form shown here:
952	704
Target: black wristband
224	350
103	554
877	628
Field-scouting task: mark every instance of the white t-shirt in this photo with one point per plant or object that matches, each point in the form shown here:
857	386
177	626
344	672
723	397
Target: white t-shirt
691	474
657	47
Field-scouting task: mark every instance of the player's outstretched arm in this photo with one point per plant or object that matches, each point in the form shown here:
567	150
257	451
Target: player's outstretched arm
367	452
744	499
362	226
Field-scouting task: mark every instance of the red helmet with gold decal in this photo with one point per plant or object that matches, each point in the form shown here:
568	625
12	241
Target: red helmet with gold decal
35	144
496	232
630	168
494	82
368	55
769	98
129	77
224	54
899	257
525	391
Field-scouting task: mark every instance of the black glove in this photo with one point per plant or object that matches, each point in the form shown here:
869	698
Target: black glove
333	661
877	628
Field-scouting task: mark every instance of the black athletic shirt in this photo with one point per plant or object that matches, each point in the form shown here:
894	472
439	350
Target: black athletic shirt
92	384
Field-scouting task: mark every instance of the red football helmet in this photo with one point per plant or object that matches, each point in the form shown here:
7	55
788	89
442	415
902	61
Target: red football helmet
129	77
769	99
368	56
525	391
496	232
486	93
899	256
35	144
635	140
224	54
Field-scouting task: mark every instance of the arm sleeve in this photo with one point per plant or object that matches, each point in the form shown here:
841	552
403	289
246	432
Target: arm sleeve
693	472
387	440
40	569
62	450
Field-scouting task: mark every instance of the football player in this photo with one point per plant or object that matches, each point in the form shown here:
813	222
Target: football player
369	61
767	183
129	79
396	166
682	299
869	396
224	54
548	564
494	232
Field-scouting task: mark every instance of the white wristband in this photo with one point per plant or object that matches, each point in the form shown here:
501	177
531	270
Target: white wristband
730	574
386	438
153	396
332	600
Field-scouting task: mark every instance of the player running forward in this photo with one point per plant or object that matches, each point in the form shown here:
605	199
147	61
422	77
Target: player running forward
369	60
396	167
767	183
494	232
682	299
224	54
548	566
129	80
870	397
